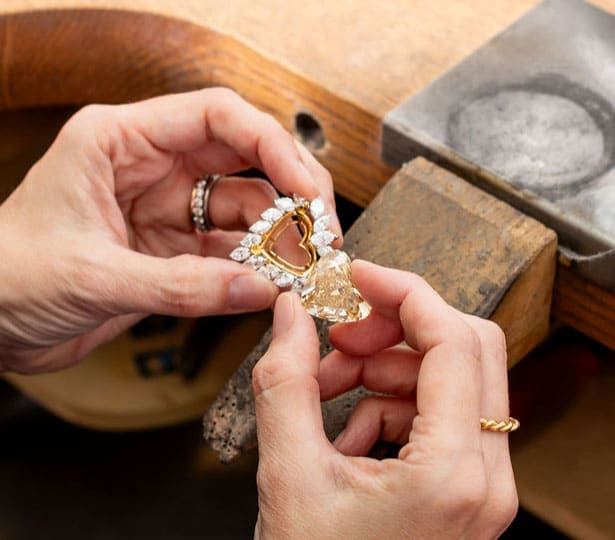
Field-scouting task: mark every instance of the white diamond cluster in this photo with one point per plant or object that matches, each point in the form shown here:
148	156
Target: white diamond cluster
321	239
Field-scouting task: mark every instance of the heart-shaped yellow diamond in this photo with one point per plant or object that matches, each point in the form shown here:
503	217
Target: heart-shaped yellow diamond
329	293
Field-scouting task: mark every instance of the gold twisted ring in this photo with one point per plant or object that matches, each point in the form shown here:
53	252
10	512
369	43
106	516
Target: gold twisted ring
199	202
503	426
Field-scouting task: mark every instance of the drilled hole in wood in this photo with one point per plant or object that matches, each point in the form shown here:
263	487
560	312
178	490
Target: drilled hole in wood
309	131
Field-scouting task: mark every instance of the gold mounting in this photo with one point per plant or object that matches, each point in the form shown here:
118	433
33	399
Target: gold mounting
265	248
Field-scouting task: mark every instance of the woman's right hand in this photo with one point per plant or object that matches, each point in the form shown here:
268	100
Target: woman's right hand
450	480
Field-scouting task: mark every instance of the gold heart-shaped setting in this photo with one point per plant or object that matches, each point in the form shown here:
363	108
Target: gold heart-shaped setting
258	248
266	248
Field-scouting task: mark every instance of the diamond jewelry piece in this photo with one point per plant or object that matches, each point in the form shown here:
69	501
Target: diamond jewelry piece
272	215
324	280
260	227
251	239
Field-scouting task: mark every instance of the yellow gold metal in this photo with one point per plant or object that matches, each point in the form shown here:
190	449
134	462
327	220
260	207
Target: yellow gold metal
503	426
266	248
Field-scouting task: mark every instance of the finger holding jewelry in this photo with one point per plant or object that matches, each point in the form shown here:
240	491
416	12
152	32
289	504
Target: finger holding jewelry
191	123
184	286
235	203
449	385
323	179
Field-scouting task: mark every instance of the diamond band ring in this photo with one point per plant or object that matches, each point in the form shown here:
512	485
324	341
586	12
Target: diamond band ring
199	202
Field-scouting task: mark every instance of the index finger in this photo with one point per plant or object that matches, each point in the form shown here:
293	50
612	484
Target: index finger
187	122
449	382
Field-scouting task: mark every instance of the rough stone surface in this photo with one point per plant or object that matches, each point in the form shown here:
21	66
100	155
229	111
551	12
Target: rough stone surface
230	423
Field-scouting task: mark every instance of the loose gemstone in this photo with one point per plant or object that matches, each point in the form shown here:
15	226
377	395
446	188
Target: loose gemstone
322	223
272	214
286	204
240	254
260	227
329	293
251	239
317	208
323	238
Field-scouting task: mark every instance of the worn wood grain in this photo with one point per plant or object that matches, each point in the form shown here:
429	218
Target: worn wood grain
331	59
110	56
483	256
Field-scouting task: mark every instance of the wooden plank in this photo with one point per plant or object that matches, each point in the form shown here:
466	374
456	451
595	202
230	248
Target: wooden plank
341	45
290	58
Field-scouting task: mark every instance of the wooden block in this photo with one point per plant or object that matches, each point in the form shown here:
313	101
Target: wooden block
481	255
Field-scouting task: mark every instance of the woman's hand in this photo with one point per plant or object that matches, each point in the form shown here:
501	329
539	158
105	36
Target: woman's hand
450	480
99	233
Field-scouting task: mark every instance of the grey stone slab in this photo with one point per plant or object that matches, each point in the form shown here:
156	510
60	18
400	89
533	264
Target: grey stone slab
530	116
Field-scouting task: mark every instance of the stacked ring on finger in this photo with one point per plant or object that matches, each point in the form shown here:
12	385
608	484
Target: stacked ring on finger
199	202
502	426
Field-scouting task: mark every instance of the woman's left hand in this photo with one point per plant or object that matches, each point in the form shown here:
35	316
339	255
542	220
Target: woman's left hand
99	232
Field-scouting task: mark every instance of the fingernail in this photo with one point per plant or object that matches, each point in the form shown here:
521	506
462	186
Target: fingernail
308	177
251	292
336	223
284	314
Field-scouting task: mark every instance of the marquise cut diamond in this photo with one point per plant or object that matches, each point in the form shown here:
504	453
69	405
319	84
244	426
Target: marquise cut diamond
286	204
260	227
240	254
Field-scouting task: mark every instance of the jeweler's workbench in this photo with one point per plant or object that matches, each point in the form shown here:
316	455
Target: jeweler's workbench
337	74
330	72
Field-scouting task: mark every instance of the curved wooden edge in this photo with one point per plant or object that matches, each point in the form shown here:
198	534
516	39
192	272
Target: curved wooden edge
83	56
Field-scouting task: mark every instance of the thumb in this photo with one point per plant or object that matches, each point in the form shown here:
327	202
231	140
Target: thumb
286	392
186	286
